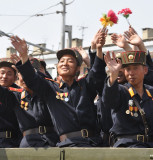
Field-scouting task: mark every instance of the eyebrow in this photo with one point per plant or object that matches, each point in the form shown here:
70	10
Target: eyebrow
3	70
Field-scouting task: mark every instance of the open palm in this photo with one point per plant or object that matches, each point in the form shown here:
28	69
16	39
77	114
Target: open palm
113	64
119	40
132	38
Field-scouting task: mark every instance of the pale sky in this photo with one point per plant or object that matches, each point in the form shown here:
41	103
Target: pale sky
47	29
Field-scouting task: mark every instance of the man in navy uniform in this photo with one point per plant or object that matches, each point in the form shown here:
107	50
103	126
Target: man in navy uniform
132	103
10	135
34	119
32	113
71	104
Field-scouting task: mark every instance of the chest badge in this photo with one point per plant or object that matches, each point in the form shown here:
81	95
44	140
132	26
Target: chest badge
66	97
133	110
62	96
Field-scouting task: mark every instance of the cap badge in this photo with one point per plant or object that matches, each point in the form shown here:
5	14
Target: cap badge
130	57
118	55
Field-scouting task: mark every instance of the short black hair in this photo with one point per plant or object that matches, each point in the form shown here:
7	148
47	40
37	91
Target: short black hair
7	64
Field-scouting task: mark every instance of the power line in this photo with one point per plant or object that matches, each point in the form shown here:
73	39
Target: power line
37	14
70	2
21	24
7	15
49	8
45	14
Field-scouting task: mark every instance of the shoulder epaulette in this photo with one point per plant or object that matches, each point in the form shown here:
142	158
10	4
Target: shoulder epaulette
131	91
16	89
148	93
51	80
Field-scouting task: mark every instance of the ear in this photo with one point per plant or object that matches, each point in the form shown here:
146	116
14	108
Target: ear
145	70
78	69
16	77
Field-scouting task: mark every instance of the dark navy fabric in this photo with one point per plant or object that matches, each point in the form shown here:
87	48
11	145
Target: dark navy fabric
35	115
117	97
8	120
79	112
92	57
104	119
149	77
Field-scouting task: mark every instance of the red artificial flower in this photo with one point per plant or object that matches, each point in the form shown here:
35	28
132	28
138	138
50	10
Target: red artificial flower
112	16
125	12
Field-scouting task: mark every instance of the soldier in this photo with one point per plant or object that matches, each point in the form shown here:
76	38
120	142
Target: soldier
104	113
71	104
10	135
33	116
132	103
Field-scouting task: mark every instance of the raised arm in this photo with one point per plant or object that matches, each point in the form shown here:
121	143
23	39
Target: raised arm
134	39
101	41
33	81
114	65
92	49
120	41
21	47
84	55
97	75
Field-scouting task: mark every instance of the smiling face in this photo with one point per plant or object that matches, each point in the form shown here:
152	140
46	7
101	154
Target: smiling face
7	76
135	73
67	66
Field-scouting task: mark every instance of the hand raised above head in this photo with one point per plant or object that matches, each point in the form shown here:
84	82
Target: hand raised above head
119	40
84	55
133	38
114	65
15	58
132	30
101	38
21	47
95	39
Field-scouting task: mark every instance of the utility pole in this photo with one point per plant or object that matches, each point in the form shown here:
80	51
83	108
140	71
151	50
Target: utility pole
63	24
65	28
82	28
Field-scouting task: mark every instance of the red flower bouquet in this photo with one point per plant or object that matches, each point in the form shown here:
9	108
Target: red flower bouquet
125	12
109	19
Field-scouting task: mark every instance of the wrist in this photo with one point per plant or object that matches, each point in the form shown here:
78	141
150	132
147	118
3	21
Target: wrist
93	46
99	53
93	50
142	47
24	59
127	47
113	78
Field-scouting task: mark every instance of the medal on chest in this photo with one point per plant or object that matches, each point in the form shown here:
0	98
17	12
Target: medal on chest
23	103
62	96
133	110
66	97
57	95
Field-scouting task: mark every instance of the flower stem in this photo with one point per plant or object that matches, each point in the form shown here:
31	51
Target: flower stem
128	21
